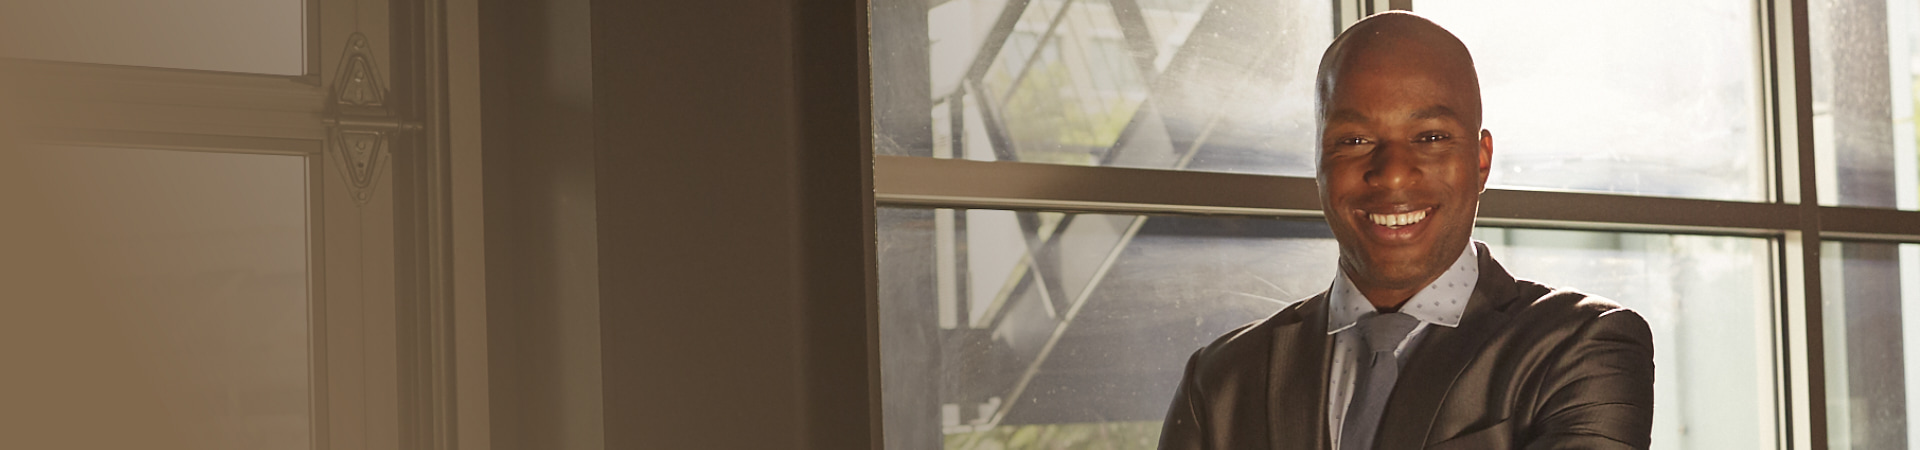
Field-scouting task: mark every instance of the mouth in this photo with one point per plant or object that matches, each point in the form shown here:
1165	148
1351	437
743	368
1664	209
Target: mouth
1402	227
1395	221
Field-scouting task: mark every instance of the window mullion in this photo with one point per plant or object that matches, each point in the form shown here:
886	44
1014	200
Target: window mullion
1801	187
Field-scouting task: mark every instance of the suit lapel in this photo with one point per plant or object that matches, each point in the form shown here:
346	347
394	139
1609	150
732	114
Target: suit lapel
1298	373
1442	355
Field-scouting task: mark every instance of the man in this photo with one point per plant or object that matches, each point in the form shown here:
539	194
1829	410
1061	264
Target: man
1423	340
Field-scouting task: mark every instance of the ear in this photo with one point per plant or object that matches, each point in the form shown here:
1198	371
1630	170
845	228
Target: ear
1486	157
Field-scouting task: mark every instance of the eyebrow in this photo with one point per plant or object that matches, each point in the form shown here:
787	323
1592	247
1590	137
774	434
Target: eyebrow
1430	112
1347	115
1433	112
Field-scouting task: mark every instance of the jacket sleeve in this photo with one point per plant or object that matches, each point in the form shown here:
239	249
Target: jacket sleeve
1184	428
1599	390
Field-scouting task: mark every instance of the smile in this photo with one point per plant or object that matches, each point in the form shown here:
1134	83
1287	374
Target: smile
1398	220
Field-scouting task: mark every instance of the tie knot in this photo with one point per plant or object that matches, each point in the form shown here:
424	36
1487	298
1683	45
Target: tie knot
1385	331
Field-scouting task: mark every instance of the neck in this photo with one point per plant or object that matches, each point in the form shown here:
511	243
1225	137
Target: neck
1386	300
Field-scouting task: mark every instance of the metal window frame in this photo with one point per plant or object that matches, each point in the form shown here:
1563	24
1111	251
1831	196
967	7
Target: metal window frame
952	183
1792	216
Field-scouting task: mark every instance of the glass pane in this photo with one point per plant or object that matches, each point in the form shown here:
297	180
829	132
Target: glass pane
1864	67
1709	301
1868	293
1220	85
250	36
180	320
1014	329
1655	97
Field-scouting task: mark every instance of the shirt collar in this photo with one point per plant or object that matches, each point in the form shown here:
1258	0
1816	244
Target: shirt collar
1441	303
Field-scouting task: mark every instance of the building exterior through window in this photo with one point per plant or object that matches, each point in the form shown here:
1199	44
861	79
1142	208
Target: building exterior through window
1076	194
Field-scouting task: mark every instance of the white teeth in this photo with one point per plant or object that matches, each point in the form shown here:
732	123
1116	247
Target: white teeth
1398	220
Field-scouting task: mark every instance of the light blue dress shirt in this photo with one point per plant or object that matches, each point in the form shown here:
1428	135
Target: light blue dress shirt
1440	304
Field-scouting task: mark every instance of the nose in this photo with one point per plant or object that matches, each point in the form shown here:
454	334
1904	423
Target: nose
1392	166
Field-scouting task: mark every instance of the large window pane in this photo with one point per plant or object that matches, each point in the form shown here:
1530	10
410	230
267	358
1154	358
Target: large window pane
1656	97
1221	85
1871	305
250	36
1864	67
177	316
1013	329
1709	301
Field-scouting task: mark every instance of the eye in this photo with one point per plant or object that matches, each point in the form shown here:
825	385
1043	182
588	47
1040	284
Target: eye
1431	137
1353	141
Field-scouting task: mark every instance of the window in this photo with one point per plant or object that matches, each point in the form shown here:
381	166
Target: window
1873	341
259	234
247	36
196	267
1864	67
1608	102
1863	71
1074	195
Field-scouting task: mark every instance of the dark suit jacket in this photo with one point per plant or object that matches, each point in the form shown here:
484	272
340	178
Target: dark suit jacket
1528	367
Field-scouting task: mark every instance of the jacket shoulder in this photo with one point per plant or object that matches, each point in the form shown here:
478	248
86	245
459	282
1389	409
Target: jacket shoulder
1562	308
1563	301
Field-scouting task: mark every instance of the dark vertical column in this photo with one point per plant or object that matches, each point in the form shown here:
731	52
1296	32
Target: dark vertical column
734	224
1863	137
503	346
836	232
542	238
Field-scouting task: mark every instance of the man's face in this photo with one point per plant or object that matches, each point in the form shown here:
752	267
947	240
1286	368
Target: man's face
1401	166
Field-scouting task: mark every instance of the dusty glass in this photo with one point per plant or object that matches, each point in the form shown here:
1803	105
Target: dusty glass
1649	97
1865	57
249	36
185	324
1709	301
1869	293
1017	329
1218	85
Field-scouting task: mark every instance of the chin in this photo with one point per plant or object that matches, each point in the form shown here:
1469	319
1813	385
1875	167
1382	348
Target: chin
1400	275
1406	267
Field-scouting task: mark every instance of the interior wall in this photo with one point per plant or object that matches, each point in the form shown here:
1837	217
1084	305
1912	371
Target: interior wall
701	345
678	210
541	233
734	224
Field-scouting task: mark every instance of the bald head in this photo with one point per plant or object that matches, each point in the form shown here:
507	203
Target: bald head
1402	156
1400	43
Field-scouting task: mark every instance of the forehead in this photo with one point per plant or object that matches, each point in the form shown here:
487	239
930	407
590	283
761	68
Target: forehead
1378	80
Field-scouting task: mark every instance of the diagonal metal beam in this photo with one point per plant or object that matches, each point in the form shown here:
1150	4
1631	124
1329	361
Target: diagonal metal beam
996	38
1053	27
1133	26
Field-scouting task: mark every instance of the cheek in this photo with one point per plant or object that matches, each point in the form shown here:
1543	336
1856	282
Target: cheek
1457	173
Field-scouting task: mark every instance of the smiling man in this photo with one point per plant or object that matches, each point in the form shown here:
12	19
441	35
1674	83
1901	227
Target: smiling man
1422	340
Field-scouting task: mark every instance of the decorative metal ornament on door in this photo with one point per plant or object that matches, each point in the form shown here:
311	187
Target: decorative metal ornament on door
360	125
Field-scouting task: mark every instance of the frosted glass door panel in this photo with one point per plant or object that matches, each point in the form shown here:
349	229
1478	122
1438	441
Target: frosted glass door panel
250	36
154	299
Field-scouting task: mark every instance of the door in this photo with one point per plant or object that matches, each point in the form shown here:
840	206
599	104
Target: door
216	238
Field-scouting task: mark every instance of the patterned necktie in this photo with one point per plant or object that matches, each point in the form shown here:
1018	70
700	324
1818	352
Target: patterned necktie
1374	381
